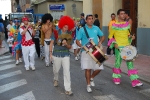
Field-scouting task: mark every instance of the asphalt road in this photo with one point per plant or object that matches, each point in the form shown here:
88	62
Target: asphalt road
18	84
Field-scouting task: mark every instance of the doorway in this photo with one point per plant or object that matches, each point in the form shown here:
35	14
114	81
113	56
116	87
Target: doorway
132	7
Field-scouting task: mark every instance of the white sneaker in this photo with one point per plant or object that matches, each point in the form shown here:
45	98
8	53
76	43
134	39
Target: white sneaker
55	83
47	65
17	62
33	68
92	82
89	89
76	58
27	68
20	60
117	83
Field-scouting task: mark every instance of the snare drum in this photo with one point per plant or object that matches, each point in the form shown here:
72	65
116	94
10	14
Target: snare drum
95	52
129	53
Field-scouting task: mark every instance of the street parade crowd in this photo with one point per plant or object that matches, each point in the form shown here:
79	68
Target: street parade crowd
52	40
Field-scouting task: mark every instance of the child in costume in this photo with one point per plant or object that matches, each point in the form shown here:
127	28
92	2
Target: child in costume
10	41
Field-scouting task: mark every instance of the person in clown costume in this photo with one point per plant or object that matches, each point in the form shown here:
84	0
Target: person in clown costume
60	54
16	48
28	46
121	32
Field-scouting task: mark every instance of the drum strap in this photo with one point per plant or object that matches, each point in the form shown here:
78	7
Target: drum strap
87	35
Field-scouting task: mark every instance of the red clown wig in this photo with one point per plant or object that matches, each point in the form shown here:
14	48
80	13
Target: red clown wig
66	20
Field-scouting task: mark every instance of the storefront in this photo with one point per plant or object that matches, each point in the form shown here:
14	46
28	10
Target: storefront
71	8
57	10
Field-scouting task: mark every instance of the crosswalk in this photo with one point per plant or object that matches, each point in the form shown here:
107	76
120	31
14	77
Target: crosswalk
7	63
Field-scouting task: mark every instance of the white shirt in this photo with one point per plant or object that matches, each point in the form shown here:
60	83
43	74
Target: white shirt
27	35
10	41
9	27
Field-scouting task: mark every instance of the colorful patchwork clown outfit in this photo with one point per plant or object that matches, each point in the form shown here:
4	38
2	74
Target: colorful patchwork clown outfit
120	31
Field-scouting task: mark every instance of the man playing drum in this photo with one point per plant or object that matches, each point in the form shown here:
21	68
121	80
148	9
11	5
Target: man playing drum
121	31
87	63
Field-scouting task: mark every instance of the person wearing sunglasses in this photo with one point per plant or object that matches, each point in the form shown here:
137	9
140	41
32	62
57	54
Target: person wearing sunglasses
87	63
16	48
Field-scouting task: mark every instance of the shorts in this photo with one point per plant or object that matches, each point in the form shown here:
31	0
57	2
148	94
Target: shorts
2	36
87	62
74	45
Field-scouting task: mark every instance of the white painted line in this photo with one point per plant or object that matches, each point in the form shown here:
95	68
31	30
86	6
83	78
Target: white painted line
7	61
7	67
145	92
26	96
10	74
5	57
12	85
106	97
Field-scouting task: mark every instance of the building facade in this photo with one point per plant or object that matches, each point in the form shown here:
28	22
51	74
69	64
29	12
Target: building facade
13	6
24	4
58	7
137	9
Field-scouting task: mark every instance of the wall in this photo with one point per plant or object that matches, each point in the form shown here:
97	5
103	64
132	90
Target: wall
108	7
69	9
143	30
42	8
87	7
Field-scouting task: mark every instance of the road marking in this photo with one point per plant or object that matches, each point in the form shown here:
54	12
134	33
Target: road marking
106	97
145	92
7	61
5	57
7	67
10	74
26	96
12	85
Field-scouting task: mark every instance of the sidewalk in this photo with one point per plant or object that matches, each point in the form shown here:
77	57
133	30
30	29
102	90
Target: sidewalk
4	50
141	63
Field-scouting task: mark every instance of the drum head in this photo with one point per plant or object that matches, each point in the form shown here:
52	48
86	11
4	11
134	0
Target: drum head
128	53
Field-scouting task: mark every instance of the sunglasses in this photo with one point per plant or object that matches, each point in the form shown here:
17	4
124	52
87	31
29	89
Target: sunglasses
16	21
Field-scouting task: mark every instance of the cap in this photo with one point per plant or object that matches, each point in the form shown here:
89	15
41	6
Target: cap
25	19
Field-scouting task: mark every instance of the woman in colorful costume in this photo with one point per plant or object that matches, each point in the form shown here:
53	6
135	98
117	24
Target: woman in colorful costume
61	55
16	48
120	31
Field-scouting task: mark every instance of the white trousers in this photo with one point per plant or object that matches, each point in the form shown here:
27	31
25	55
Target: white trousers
46	52
29	55
65	63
